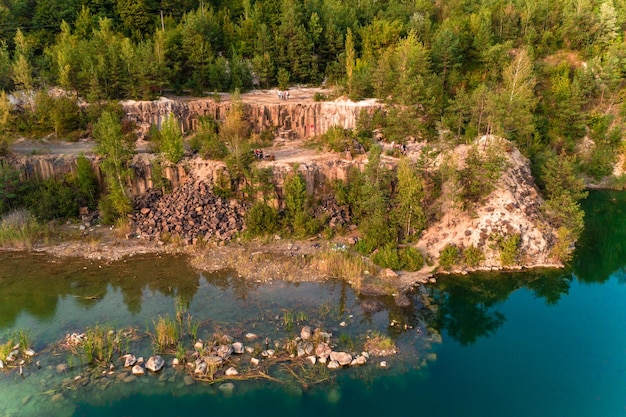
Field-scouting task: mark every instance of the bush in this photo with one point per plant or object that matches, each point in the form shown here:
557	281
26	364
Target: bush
449	256
509	249
54	199
412	259
261	220
388	257
473	256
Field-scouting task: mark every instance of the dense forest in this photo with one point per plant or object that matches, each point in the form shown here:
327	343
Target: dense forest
548	76
543	74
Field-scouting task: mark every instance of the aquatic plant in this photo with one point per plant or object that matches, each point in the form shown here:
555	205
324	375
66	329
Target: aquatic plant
378	344
19	339
166	333
99	344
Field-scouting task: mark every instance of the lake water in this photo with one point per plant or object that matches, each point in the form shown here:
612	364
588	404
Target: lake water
540	343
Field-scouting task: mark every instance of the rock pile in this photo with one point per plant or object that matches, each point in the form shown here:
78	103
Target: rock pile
191	211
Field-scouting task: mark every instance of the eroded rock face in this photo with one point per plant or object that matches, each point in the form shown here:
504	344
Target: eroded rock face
514	207
293	119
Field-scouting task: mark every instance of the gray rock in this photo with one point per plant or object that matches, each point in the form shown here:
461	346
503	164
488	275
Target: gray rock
213	360
268	353
200	368
231	371
333	365
155	363
308	348
238	348
224	351
251	336
343	358
138	370
130	361
254	361
301	352
312	359
305	333
29	352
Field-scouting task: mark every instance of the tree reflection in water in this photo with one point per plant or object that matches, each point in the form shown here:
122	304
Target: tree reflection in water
468	305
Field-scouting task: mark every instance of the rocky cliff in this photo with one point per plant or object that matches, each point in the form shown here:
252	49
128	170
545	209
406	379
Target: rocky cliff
289	118
512	208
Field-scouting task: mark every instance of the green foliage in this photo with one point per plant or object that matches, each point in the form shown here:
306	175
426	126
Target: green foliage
297	217
116	150
12	188
449	256
409	196
482	171
509	249
473	256
412	259
55	199
387	257
171	140
261	220
207	141
86	181
19	229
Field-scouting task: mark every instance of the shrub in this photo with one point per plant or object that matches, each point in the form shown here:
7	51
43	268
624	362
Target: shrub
449	256
388	257
172	140
54	199
411	258
261	220
473	256
509	249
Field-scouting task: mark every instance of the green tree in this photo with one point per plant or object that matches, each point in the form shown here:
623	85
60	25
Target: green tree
116	150
171	143
410	193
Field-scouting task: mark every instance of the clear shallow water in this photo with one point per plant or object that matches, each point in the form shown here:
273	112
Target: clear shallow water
546	343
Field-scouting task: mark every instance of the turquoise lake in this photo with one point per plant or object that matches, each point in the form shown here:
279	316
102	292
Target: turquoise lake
538	343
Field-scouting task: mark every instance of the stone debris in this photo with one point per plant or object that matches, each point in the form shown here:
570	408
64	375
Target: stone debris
191	212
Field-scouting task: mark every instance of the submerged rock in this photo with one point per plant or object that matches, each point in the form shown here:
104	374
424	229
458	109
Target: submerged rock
227	388
251	336
155	363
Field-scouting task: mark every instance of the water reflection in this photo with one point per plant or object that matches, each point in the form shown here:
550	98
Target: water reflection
601	250
35	283
469	305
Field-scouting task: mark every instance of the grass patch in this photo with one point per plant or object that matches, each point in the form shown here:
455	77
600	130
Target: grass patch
20	229
19	338
378	344
342	265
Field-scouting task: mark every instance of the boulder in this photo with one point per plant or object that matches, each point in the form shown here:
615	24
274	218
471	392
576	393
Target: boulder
130	361
238	348
231	371
305	333
155	363
138	370
224	351
213	360
201	368
343	358
323	350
